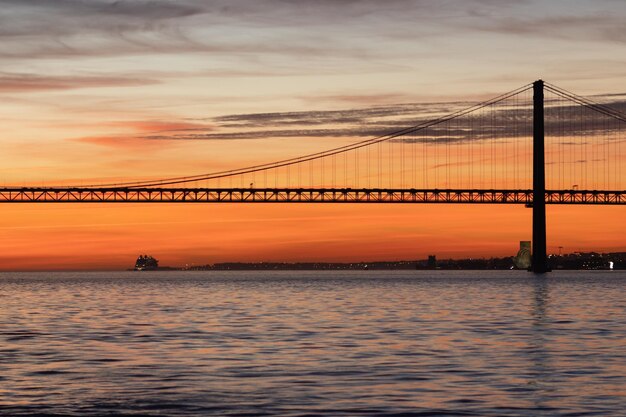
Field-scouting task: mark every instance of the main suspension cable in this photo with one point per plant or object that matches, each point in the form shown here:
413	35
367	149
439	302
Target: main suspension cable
313	156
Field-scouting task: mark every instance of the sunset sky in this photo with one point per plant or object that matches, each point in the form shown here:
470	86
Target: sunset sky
102	91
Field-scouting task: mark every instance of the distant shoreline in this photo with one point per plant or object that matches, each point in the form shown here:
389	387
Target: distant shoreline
575	261
569	262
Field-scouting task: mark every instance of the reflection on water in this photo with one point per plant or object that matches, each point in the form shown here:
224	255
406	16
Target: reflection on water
538	346
313	343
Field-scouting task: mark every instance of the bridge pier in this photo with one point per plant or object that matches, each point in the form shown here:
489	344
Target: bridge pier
539	249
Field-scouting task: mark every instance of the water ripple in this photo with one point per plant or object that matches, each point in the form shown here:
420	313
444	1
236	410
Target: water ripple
313	344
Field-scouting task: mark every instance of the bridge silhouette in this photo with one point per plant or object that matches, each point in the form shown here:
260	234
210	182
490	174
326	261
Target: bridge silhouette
500	151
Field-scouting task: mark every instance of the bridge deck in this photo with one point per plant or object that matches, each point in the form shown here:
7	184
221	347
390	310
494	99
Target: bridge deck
308	195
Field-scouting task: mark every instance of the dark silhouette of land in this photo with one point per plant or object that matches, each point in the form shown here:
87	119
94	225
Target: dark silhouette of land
573	261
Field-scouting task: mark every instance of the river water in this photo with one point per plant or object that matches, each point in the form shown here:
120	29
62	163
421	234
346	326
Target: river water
388	343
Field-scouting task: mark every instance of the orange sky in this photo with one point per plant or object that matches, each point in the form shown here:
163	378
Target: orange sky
53	236
91	94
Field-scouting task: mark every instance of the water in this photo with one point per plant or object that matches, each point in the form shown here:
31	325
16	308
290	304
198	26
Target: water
313	343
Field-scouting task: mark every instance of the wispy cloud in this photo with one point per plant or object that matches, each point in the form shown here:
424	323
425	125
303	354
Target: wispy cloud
19	83
32	29
139	134
507	122
270	38
69	28
590	27
66	17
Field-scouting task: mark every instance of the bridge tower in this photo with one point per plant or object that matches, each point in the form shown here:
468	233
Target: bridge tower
539	250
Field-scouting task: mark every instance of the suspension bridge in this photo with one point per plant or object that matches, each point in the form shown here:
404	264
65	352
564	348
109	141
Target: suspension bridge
536	145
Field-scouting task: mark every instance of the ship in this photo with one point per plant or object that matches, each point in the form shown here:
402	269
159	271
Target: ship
146	263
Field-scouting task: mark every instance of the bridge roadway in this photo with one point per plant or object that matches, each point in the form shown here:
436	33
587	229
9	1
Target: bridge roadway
302	195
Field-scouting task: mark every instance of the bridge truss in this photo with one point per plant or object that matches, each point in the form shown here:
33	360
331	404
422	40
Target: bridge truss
290	195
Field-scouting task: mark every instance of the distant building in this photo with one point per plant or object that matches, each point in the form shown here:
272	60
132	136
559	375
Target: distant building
432	262
523	259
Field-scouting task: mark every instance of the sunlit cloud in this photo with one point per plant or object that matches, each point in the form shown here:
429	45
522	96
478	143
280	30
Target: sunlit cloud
28	83
600	27
140	134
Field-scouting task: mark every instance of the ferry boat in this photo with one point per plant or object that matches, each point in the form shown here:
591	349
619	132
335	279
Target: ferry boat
146	263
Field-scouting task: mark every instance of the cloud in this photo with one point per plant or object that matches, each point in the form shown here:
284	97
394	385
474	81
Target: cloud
31	29
243	38
370	114
139	134
121	141
361	99
153	126
502	122
269	134
601	27
25	83
41	17
69	28
375	122
40	28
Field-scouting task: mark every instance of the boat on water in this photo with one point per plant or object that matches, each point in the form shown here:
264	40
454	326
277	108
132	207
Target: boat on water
146	263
